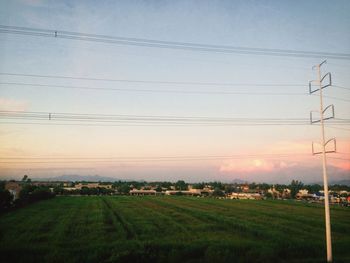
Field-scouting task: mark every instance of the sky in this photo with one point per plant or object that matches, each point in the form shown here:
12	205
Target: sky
274	154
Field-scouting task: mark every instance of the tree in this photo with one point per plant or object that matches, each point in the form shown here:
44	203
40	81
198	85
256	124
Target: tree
295	186
24	179
198	186
158	189
229	188
264	186
25	194
181	185
217	192
41	193
166	185
124	188
5	200
85	191
314	188
217	185
58	190
268	195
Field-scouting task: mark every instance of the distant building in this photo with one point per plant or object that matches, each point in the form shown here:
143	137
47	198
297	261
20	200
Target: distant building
67	184
286	193
192	192
142	192
275	193
253	196
79	186
303	191
88	185
245	188
303	194
69	188
14	188
48	183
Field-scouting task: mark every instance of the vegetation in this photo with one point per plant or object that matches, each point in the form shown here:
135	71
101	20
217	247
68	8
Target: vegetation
170	229
5	200
29	194
295	186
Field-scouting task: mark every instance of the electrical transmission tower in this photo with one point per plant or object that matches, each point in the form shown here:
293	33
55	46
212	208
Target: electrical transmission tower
323	117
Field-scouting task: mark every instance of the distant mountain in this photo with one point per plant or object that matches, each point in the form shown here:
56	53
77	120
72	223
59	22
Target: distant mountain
238	181
74	177
341	182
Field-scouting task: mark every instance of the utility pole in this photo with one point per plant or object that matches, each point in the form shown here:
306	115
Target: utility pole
323	151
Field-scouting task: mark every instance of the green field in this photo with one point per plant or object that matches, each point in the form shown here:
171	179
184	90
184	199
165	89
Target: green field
170	229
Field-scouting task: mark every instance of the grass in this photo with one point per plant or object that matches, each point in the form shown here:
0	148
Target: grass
170	229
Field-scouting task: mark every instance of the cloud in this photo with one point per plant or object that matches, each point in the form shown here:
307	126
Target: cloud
13	105
274	171
341	164
253	166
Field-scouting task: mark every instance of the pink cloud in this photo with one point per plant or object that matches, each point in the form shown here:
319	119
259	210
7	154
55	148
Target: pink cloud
343	164
280	156
13	105
253	166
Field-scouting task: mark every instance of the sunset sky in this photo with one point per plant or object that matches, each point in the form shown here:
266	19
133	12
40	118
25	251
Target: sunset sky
261	86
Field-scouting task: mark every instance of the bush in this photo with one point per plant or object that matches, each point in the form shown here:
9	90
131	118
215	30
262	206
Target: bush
30	194
5	200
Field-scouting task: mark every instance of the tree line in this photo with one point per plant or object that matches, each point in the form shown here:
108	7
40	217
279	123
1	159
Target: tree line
28	194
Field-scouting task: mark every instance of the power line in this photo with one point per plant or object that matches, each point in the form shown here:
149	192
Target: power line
153	90
25	160
171	157
166	157
25	84
185	83
340	87
335	127
143	42
334	98
29	113
336	158
52	118
45	160
165	90
150	124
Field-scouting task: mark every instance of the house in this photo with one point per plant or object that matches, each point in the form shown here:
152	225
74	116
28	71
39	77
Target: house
67	184
14	188
69	188
303	194
286	193
275	193
245	188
